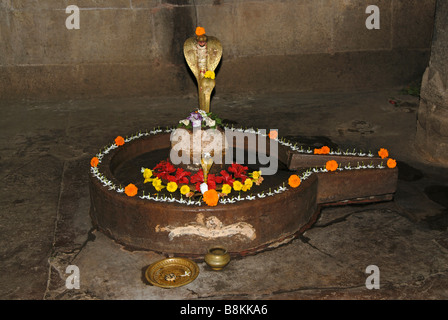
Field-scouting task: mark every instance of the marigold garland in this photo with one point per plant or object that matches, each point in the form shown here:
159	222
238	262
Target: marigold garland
237	186
180	179
226	188
171	186
119	141
184	189
255	175
94	162
131	190
383	153
177	177
294	181
273	134
248	183
211	197
157	184
200	31
147	174
323	150
391	163
331	165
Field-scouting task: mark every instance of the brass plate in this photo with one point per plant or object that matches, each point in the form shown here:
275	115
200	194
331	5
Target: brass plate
172	272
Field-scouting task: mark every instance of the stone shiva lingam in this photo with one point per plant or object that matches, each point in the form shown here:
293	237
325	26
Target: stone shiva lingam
190	142
184	189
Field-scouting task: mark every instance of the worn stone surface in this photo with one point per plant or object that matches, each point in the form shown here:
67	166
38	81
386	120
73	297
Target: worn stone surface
45	223
329	261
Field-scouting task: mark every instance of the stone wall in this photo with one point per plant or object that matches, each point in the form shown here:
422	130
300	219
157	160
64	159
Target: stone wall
432	123
134	47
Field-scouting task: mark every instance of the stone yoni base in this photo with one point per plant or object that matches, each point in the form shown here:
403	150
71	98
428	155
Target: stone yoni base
243	227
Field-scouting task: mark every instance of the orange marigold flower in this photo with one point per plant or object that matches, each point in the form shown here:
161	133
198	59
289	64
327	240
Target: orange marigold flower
119	141
294	181
325	150
200	31
331	165
391	163
273	134
94	162
211	197
131	190
383	153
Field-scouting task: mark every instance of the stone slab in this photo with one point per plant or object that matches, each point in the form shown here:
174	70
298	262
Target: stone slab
406	238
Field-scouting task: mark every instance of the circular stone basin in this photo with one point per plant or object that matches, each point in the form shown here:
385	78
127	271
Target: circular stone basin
264	217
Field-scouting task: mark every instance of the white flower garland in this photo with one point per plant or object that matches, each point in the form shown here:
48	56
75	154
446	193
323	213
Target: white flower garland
280	189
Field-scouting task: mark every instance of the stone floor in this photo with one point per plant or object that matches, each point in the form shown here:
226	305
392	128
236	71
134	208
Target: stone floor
45	225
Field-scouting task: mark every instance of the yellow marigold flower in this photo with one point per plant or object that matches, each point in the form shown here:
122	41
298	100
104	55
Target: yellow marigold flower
184	189
147	174
226	188
256	175
171	186
237	186
249	183
245	188
209	74
157	184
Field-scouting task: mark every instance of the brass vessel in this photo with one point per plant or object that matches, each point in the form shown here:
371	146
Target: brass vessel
217	258
172	272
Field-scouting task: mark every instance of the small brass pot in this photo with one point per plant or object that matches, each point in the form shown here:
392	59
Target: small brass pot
217	258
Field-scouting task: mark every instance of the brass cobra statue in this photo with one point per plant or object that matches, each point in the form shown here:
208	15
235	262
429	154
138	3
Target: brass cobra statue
203	54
